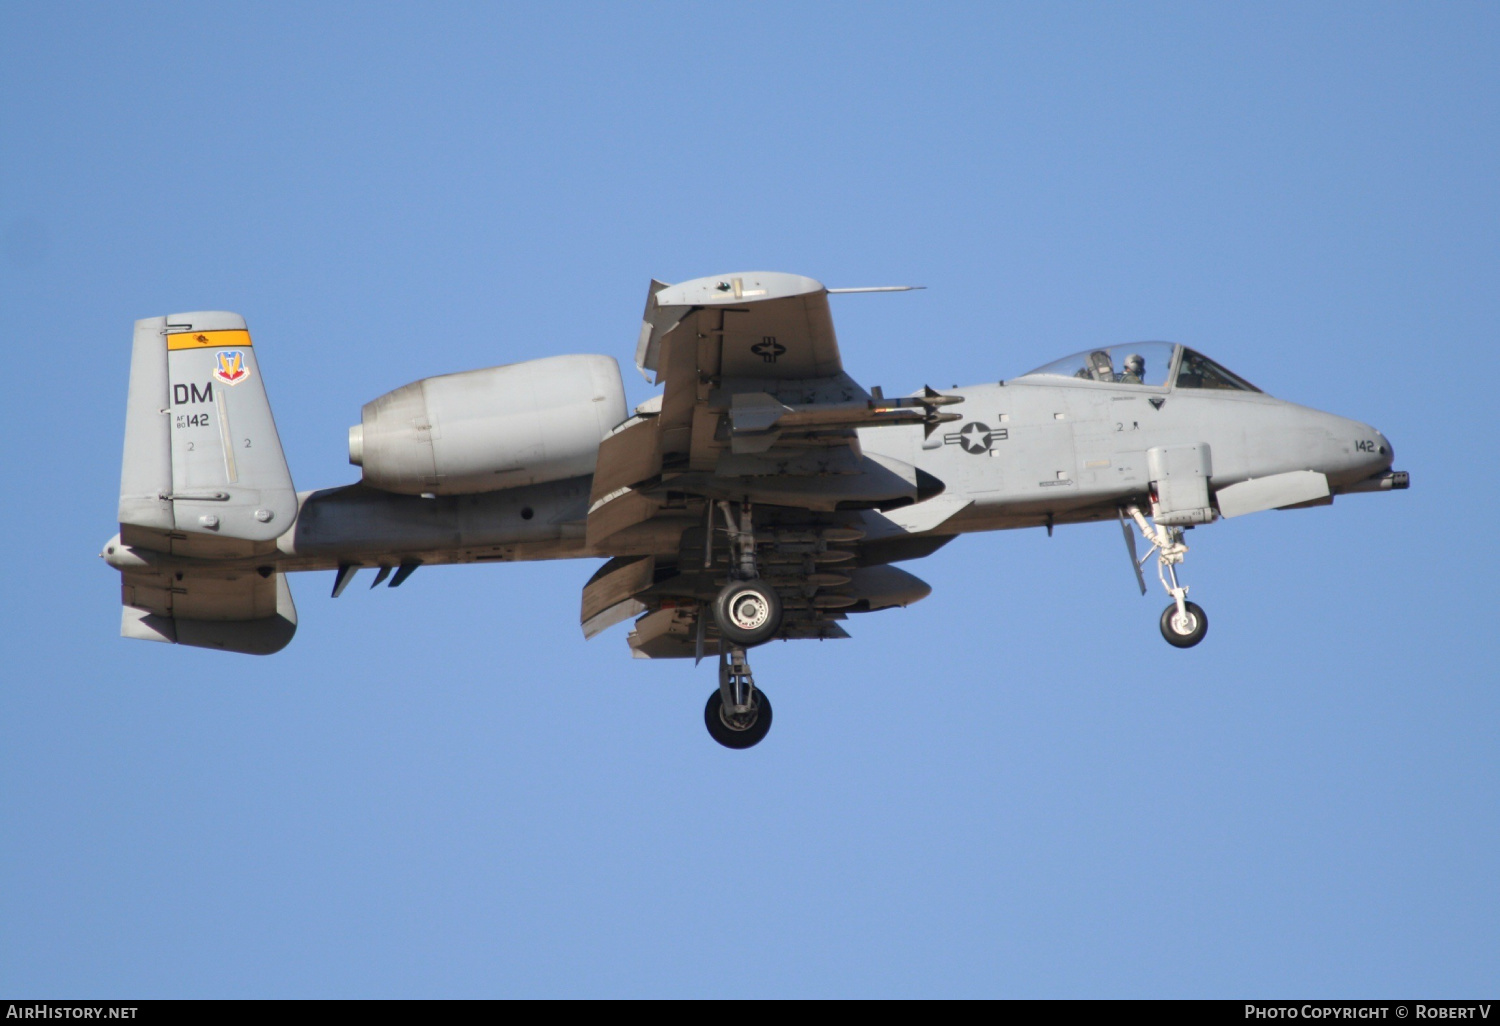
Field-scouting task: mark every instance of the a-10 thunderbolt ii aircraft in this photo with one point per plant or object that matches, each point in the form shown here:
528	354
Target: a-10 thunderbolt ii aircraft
763	494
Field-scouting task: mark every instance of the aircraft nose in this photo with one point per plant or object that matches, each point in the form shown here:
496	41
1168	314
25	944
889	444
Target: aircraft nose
1378	453
1357	451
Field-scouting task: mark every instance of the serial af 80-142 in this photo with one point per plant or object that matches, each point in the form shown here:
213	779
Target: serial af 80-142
762	494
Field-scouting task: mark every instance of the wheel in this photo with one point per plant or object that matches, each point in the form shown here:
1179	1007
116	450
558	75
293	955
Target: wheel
748	612
733	731
1180	633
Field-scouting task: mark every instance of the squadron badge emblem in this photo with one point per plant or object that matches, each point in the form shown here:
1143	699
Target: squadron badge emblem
231	368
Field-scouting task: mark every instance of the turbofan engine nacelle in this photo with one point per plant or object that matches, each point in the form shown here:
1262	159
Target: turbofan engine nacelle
479	431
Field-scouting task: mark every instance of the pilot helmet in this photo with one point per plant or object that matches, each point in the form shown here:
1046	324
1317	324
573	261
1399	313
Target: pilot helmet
1135	363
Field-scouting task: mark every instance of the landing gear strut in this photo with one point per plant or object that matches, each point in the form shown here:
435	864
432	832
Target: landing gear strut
738	715
748	611
1183	623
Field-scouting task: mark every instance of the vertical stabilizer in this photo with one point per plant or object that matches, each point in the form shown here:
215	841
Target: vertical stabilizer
204	478
202	455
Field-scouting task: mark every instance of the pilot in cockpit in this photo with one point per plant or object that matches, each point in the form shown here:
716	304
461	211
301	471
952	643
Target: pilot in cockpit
1135	370
1098	367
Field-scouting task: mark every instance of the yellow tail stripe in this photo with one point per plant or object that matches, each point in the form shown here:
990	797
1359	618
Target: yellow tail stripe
208	339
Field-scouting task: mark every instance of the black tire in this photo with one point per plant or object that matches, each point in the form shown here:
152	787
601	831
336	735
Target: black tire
741	735
748	613
1199	625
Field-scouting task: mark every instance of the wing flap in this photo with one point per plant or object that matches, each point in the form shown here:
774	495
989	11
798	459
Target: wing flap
196	546
626	458
611	589
615	513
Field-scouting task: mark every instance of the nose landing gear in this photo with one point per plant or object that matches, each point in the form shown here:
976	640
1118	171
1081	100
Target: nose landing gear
1183	623
1184	628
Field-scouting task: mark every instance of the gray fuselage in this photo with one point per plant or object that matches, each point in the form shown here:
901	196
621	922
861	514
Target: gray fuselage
1028	452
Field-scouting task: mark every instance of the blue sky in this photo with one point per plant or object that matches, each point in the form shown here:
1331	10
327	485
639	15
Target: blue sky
1014	788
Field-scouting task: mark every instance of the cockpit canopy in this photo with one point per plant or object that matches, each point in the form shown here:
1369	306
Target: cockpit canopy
1145	363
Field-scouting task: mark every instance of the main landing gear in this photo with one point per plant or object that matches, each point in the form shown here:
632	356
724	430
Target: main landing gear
747	612
1183	623
738	715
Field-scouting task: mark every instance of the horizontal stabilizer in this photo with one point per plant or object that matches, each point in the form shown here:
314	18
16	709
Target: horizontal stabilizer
242	612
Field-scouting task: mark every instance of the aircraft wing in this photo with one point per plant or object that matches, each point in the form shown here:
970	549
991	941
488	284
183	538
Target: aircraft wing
755	407
765	324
